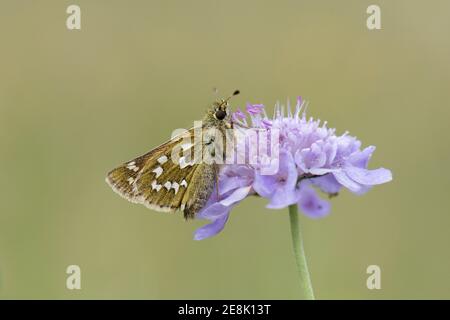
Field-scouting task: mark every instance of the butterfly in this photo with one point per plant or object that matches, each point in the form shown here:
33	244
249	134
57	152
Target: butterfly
170	177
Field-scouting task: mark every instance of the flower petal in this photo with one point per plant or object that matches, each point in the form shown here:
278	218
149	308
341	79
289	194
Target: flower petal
213	211
286	176
255	108
363	190
238	115
237	195
343	179
361	158
322	171
327	184
264	185
287	167
311	204
282	198
211	229
368	177
226	184
310	158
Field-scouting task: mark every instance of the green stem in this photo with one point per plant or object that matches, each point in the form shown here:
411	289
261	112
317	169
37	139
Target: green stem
299	253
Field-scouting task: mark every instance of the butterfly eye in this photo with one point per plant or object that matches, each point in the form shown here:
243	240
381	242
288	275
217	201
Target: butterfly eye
220	114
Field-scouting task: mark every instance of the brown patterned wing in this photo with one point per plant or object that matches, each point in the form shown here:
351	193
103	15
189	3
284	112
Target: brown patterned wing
163	184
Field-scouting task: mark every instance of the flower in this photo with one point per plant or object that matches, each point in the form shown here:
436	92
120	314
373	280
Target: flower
254	109
279	188
235	183
238	115
311	158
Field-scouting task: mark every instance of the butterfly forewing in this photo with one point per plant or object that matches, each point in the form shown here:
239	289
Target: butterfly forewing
160	182
122	179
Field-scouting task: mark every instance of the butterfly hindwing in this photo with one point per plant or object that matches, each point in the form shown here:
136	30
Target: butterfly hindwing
199	190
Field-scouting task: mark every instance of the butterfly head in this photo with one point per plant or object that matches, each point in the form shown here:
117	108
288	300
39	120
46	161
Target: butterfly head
220	114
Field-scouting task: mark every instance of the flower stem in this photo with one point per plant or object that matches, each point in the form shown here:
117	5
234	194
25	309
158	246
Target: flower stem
299	253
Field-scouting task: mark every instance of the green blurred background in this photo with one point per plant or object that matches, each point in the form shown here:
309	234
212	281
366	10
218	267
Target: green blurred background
74	104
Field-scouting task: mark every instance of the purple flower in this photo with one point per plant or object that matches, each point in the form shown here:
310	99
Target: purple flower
310	203
279	188
254	109
235	183
311	158
238	116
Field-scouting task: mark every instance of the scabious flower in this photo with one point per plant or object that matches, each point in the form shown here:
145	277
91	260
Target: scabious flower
311	158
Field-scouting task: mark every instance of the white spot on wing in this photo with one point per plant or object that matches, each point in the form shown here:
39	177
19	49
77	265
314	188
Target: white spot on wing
175	187
183	163
156	186
158	171
132	166
183	183
168	185
162	160
130	180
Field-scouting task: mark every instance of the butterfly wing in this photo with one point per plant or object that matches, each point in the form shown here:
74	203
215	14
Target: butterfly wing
165	184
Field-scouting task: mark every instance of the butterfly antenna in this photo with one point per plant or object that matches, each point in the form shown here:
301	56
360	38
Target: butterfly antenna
235	93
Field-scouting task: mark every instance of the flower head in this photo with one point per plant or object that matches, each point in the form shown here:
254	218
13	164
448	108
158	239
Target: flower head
311	158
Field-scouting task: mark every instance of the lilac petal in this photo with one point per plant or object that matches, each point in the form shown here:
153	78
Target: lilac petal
264	185
282	198
237	195
310	158
213	211
311	204
211	229
244	171
363	190
330	150
285	178
317	158
238	114
255	108
368	177
361	159
321	171
343	179
327	184
266	123
228	184
346	145
299	157
268	165
287	170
